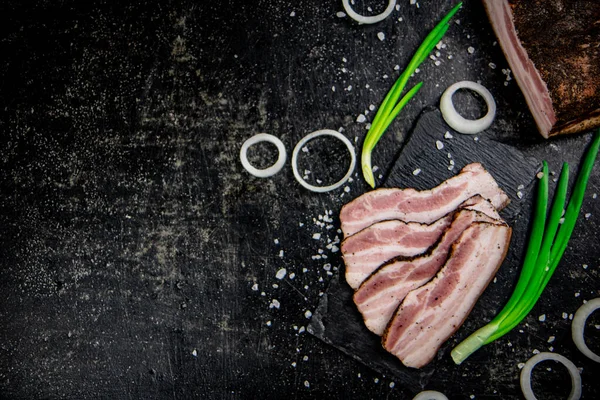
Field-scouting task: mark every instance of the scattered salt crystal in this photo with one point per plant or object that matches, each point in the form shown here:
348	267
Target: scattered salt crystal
301	224
577	294
551	339
565	315
432	57
276	241
255	287
585	266
305	270
302	329
361	118
340	14
588	215
550	348
412	2
281	253
274	304
371	107
437	63
472	396
476	139
540	175
269	323
316	236
594	196
307	384
281	274
542	318
417	70
439	144
571	317
195	353
308	314
521	365
376	380
417	171
293	14
492	65
536	351
275	286
471	50
520	187
392	384
381	36
349	88
448	135
292	275
520	194
333	88
263	294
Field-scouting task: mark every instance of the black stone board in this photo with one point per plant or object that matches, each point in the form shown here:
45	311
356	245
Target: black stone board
337	320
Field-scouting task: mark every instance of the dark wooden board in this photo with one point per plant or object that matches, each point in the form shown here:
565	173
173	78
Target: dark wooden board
336	320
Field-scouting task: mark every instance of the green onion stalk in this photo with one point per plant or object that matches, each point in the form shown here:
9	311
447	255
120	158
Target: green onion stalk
547	243
391	106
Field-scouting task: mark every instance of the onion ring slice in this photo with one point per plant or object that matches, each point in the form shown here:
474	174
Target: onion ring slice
578	326
311	136
457	121
273	169
430	395
370	19
532	362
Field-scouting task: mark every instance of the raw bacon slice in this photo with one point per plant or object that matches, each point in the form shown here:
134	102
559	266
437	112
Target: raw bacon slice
552	49
429	315
421	206
379	296
365	251
368	249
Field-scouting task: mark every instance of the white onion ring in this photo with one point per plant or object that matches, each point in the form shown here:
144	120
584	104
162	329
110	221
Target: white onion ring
273	169
430	395
311	136
370	19
457	121
578	326
532	362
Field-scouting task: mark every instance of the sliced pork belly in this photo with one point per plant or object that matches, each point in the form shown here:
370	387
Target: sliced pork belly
368	249
379	296
421	206
429	315
365	251
552	49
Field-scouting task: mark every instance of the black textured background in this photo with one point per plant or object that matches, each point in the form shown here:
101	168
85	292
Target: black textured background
138	258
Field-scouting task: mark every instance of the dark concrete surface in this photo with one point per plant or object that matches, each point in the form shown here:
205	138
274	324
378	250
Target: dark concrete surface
139	258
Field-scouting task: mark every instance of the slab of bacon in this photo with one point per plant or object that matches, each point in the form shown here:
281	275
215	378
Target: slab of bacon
420	259
552	49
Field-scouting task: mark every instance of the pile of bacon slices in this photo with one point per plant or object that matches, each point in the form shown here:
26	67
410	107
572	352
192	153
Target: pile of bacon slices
419	260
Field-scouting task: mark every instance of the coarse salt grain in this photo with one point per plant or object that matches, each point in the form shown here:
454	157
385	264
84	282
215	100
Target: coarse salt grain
417	171
439	145
255	287
361	118
542	318
381	36
274	304
316	236
308	314
551	339
281	274
448	135
471	50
